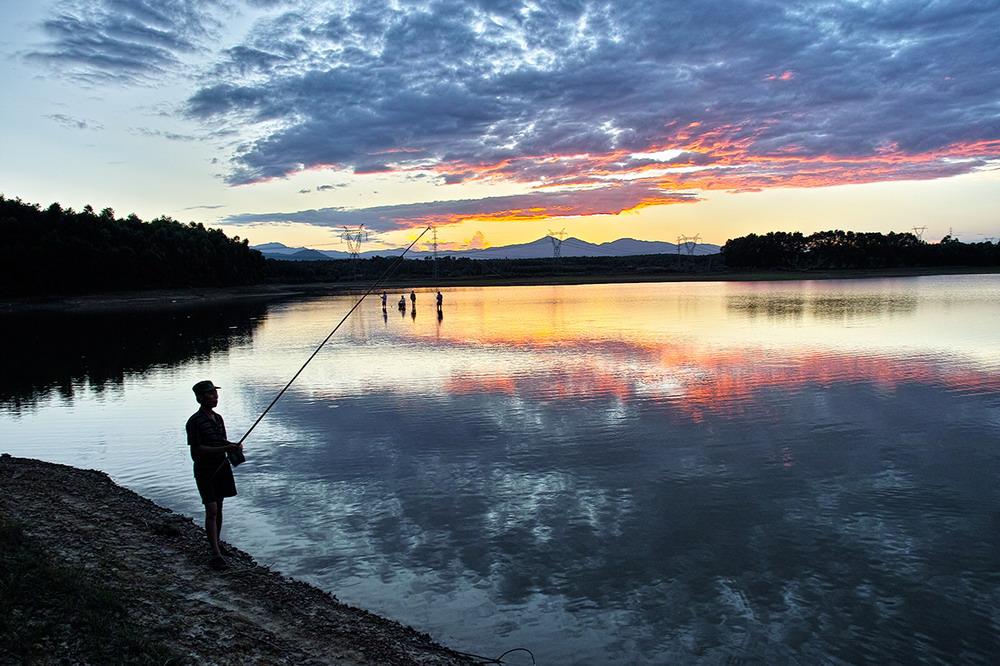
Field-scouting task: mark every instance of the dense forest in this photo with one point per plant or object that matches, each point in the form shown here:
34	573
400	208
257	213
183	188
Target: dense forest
848	249
775	251
452	268
57	250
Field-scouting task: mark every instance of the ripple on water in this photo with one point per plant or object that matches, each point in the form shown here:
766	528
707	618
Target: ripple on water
799	471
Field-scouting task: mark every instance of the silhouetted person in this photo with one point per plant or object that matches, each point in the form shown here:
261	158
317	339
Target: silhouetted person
413	298
384	299
440	300
206	435
402	304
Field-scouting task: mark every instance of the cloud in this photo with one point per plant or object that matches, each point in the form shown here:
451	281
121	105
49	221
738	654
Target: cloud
127	41
572	96
478	241
205	207
70	122
172	136
501	90
607	200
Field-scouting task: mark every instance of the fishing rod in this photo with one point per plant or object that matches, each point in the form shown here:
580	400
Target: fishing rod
375	284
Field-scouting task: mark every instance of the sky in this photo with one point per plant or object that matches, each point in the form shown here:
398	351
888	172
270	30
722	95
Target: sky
498	121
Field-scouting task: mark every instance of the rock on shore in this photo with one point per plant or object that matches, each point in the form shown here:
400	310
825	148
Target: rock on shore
157	561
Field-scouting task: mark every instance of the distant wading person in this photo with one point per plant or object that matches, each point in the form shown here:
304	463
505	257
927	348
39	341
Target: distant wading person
206	435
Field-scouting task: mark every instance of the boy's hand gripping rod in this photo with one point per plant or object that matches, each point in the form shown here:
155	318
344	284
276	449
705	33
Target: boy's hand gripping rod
377	282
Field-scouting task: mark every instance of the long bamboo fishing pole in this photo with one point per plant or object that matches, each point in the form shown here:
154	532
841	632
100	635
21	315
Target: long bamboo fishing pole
375	284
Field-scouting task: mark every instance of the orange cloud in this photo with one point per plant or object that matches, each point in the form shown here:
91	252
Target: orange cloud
720	158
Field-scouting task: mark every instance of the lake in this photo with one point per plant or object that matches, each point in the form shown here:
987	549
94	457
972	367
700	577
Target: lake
769	472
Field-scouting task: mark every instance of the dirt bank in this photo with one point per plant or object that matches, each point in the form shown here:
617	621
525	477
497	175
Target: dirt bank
153	562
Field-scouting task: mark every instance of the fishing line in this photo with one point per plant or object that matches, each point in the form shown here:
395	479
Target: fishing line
375	284
496	660
395	264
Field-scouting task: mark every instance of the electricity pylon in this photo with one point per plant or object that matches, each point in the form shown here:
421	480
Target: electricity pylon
354	239
434	234
557	239
689	243
919	232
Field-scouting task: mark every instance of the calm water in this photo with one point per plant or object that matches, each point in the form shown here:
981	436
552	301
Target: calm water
770	472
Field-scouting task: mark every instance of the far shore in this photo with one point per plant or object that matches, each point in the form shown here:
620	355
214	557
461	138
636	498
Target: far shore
182	298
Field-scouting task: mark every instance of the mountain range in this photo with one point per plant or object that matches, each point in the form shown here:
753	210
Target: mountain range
541	248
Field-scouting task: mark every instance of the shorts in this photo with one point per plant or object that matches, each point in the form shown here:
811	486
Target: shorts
215	481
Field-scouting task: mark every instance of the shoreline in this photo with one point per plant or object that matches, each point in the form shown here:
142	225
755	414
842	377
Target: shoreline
194	297
152	563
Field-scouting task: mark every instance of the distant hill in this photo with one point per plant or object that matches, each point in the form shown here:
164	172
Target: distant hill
305	254
539	249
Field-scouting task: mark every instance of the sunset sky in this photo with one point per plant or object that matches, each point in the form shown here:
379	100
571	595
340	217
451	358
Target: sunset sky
498	120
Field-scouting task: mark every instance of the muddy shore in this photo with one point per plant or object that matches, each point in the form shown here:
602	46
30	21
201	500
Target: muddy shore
155	563
165	299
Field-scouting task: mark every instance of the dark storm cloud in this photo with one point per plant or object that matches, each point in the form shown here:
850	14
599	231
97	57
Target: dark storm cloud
124	40
461	86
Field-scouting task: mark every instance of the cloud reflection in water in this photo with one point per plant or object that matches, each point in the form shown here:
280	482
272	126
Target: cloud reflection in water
662	472
679	498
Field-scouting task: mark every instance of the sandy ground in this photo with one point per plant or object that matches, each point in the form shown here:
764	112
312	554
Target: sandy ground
247	614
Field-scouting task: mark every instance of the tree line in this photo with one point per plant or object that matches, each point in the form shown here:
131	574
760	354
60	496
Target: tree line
57	250
457	268
848	249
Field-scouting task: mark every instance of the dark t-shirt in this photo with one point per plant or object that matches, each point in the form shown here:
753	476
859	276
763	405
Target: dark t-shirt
206	429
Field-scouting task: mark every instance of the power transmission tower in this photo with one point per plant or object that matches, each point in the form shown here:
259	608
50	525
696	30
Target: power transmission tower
434	234
354	239
557	239
919	232
689	243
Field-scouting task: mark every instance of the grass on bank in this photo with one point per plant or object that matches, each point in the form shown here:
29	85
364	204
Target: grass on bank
51	612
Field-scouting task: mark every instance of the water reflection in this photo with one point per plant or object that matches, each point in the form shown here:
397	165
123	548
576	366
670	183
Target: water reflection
639	473
796	306
48	354
708	535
